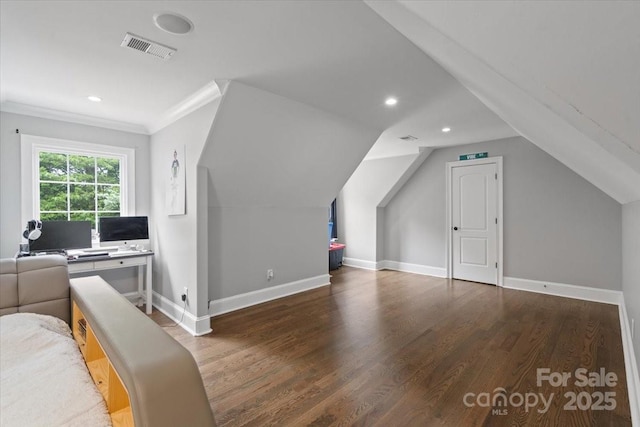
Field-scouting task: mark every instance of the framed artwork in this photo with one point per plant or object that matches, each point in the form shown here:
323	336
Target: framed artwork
176	186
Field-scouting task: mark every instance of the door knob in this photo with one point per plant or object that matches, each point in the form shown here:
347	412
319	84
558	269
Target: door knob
455	228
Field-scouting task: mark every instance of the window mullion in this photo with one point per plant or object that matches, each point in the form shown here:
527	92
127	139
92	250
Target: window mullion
37	189
95	190
124	201
68	190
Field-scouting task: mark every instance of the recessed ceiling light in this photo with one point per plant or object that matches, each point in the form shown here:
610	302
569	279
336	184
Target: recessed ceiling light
445	130
173	23
391	102
93	98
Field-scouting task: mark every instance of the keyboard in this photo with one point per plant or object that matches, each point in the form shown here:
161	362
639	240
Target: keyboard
124	253
101	249
92	254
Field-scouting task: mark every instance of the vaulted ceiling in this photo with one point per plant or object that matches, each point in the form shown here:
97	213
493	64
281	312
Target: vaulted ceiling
562	74
566	75
337	56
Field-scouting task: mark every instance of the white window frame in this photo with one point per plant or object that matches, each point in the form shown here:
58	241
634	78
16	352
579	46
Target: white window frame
32	146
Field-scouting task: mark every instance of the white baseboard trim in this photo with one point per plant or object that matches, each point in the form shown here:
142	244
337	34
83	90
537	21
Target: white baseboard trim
397	266
413	268
237	302
563	290
360	263
630	364
596	295
196	326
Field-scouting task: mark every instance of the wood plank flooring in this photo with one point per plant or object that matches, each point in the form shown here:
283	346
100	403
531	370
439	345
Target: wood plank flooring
397	349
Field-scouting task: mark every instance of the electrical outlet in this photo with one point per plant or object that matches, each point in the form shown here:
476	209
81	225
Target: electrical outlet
186	291
270	274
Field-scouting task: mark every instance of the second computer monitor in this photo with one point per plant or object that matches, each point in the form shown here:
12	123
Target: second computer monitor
124	231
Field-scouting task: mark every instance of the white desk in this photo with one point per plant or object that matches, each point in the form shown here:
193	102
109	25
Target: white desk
141	260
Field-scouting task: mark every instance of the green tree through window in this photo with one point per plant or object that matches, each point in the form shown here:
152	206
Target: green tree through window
78	187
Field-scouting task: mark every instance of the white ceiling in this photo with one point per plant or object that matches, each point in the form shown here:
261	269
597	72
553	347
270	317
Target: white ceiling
564	74
587	53
337	56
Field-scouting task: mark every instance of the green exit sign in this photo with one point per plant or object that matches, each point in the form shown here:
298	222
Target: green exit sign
474	156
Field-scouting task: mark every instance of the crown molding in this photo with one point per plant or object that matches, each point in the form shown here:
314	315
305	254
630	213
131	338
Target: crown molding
191	103
196	100
48	113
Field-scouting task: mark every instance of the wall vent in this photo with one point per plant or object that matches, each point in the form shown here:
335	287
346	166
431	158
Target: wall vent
408	138
147	46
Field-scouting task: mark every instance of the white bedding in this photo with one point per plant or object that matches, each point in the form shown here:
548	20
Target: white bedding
44	380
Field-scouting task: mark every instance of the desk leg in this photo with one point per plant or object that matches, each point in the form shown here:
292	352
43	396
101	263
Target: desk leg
149	285
140	283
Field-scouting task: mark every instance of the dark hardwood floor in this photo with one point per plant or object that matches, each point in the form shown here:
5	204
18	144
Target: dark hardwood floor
397	349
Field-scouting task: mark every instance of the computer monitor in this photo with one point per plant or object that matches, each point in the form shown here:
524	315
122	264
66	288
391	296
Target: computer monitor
60	235
124	231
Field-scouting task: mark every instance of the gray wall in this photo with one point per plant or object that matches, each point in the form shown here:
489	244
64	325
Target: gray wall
246	241
174	241
557	226
10	197
358	201
274	166
631	267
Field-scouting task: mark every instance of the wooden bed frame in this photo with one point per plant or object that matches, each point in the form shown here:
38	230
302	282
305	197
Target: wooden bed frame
101	370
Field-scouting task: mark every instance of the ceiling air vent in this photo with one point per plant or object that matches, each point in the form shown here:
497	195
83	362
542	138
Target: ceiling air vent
409	138
147	46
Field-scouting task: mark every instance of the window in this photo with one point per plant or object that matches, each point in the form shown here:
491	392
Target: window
74	181
77	187
333	218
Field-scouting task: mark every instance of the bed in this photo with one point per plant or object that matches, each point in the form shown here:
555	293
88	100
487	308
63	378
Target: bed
77	353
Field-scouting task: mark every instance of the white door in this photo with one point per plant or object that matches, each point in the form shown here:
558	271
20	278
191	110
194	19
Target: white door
474	223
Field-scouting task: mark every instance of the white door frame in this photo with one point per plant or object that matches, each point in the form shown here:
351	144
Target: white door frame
449	250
